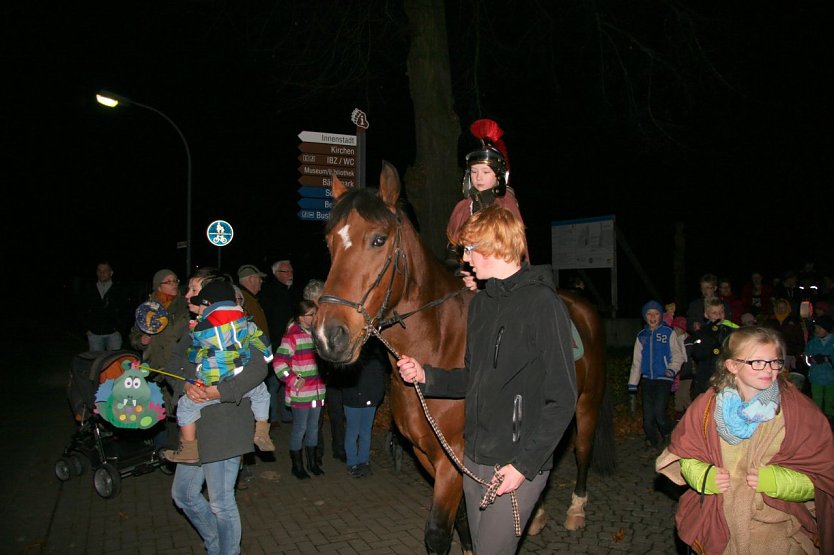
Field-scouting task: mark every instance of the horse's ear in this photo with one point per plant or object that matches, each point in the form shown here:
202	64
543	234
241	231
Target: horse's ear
338	188
389	185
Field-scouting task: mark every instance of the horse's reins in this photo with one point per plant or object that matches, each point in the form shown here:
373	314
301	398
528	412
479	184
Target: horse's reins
372	328
497	478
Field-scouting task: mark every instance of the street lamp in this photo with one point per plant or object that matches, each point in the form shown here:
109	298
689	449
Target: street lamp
111	100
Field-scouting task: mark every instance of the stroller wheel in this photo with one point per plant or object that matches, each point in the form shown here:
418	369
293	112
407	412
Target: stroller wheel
78	463
63	469
107	481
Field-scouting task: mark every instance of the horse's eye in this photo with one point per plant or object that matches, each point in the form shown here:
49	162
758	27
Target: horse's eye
378	240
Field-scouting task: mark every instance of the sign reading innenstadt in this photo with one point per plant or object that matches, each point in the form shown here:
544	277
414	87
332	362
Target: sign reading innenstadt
220	233
327	138
323	155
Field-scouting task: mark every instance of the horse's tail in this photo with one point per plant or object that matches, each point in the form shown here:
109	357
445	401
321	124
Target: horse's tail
603	458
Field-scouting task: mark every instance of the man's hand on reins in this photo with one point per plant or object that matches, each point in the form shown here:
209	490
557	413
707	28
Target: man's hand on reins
512	479
411	371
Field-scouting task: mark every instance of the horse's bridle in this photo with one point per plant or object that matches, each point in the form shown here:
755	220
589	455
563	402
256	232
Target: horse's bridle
397	256
374	325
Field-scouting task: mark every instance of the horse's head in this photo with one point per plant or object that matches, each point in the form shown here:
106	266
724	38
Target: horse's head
367	266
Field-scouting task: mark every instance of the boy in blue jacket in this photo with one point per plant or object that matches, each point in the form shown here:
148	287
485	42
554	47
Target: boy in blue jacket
657	359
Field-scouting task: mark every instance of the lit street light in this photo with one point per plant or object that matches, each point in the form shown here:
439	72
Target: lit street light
111	100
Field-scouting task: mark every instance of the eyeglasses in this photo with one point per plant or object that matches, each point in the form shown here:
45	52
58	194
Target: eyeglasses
759	365
469	248
171	282
284	271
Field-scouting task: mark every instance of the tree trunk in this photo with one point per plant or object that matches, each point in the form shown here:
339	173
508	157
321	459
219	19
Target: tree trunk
432	183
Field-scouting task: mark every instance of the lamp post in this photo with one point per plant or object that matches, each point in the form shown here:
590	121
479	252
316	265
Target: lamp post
111	100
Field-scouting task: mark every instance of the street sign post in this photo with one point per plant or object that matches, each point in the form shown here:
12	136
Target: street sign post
322	156
220	234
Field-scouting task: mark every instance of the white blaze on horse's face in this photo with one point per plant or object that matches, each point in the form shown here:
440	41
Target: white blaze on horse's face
344	233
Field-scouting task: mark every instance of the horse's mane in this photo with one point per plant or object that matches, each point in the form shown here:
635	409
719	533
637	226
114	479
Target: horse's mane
366	202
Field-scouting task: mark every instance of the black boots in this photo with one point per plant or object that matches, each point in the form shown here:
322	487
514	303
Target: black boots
313	461
298	465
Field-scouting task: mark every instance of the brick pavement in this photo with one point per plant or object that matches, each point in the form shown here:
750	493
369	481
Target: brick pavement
384	513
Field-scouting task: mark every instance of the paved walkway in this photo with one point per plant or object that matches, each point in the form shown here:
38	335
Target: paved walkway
383	513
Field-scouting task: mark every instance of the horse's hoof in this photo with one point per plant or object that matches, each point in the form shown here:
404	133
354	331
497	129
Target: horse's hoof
576	513
537	523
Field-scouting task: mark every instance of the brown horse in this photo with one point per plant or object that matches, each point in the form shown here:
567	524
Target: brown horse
383	278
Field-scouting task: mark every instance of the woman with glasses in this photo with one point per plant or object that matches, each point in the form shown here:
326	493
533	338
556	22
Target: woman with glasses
156	348
757	456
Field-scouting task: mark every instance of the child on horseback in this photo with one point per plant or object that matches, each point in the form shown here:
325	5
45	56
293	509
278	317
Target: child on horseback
485	182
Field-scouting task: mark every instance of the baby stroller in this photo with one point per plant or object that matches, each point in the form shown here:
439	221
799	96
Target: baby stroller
111	452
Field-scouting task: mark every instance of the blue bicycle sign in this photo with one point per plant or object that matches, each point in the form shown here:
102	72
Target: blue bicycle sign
220	233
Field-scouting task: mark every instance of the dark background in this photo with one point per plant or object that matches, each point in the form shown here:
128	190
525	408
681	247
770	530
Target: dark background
715	116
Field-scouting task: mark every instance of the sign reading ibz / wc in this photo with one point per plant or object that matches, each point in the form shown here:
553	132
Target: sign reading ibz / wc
323	155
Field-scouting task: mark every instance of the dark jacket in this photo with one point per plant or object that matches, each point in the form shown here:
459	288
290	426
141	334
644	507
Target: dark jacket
368	385
224	430
278	302
104	315
519	379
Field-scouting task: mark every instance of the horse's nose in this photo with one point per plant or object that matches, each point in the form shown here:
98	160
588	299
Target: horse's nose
333	342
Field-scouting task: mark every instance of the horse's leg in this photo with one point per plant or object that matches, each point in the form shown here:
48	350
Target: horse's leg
447	496
586	421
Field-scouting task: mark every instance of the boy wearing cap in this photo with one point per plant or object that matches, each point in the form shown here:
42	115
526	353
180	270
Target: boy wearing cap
221	337
657	359
818	353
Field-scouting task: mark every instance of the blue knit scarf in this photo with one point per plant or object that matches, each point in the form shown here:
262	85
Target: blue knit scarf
736	420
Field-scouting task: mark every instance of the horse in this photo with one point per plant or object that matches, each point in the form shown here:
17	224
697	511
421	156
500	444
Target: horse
384	281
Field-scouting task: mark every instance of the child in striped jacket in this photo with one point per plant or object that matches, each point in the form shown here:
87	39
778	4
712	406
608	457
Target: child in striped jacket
295	365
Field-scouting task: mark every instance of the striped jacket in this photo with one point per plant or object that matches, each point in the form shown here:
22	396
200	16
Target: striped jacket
295	365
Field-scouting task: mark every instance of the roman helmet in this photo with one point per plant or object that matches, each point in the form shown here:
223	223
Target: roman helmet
492	152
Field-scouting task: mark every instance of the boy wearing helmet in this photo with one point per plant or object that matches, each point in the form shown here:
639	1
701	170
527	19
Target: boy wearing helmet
485	180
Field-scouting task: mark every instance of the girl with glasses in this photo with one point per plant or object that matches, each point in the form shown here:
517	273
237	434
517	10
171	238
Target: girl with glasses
756	454
295	365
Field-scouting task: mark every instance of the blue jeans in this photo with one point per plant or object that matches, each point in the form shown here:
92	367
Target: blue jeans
656	424
360	421
188	411
305	426
107	342
217	519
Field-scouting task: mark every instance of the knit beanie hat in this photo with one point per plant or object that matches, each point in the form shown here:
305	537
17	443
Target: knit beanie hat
214	292
160	276
651	305
679	322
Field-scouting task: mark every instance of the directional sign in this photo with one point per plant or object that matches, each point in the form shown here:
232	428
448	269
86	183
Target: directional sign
333	150
322	181
315	192
327	138
326	159
220	233
315	215
306	169
315	203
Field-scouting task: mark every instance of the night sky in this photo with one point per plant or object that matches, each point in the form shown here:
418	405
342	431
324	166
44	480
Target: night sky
711	115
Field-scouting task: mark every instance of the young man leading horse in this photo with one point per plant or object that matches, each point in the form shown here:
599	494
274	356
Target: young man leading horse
518	380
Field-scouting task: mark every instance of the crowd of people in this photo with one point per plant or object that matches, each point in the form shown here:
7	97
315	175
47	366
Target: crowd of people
246	362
